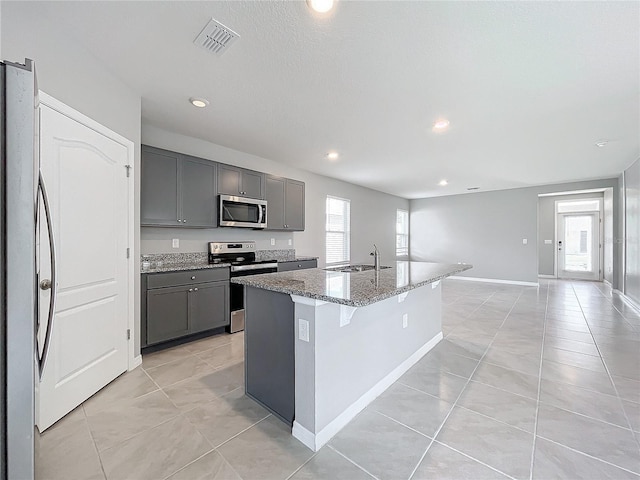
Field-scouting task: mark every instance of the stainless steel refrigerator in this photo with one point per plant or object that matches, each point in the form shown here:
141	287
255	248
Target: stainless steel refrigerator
18	321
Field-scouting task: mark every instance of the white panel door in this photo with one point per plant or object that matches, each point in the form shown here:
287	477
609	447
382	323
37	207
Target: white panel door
85	177
579	246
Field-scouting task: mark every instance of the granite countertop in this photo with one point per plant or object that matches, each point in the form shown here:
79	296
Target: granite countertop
175	262
176	267
356	289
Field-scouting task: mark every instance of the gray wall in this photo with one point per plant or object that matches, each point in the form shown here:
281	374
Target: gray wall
69	73
373	214
632	226
547	228
486	229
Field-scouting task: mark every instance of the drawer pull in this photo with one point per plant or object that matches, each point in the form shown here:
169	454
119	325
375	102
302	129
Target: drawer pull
195	289
191	289
193	277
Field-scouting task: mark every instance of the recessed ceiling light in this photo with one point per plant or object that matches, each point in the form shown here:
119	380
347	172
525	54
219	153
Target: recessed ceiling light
443	183
601	144
199	102
332	156
441	125
320	6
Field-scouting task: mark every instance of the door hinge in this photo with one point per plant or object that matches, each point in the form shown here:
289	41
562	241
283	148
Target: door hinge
128	167
128	252
128	334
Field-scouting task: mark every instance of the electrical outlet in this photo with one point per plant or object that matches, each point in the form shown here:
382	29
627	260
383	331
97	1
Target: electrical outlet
175	243
525	241
273	242
303	330
290	242
405	320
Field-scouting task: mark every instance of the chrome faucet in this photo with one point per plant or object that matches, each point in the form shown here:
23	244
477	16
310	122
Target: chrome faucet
376	257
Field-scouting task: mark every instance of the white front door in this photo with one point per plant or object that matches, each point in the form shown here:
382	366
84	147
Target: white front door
86	181
579	245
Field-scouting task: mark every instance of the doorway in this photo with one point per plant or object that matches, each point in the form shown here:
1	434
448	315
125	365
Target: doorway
579	245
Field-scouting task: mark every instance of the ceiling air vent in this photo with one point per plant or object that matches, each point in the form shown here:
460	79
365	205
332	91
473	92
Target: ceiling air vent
216	38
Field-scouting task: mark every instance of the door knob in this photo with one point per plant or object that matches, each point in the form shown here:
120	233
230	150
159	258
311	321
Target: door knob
45	284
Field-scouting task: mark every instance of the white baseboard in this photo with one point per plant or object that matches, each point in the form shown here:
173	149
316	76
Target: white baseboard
628	300
493	280
135	362
547	276
315	442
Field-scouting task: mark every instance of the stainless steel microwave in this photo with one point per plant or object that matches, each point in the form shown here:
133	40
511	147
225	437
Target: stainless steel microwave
242	212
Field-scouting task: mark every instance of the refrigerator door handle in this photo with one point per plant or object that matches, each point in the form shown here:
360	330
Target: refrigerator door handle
48	283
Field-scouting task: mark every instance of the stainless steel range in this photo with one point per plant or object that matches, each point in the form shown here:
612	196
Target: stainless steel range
242	257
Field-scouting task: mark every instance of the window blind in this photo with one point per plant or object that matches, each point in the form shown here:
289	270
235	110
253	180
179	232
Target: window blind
402	233
338	230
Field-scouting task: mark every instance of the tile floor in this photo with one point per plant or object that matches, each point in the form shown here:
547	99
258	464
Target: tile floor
528	383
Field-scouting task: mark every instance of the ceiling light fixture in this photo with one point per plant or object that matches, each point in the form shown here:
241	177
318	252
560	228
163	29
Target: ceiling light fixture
332	156
440	125
199	102
601	144
320	6
443	183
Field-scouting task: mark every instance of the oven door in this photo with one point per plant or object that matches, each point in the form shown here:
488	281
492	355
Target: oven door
237	291
242	212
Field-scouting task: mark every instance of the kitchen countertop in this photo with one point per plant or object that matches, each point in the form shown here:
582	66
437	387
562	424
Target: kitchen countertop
176	267
356	289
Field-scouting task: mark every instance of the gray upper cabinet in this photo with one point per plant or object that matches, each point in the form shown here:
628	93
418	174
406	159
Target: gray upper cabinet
285	198
177	190
294	205
240	181
198	192
159	187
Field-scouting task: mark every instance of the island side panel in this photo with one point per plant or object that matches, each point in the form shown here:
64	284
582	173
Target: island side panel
269	351
352	359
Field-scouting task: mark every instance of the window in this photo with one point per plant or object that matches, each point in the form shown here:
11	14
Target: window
402	233
338	230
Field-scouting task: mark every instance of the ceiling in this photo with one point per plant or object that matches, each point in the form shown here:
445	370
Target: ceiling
528	87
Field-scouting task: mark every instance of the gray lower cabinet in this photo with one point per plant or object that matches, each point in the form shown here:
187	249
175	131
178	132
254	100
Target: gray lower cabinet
269	350
177	190
285	198
182	303
240	181
300	265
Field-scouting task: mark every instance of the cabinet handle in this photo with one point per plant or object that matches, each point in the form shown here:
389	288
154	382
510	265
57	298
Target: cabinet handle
184	221
179	220
193	277
299	266
191	289
195	289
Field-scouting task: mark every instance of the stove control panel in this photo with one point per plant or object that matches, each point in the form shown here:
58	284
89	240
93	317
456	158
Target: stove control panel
231	247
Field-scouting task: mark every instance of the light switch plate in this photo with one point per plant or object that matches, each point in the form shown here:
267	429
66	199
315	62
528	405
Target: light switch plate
548	242
290	242
175	243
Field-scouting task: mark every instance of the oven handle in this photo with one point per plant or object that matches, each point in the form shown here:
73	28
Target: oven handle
259	266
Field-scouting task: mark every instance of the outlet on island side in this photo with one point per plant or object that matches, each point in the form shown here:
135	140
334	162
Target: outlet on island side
303	330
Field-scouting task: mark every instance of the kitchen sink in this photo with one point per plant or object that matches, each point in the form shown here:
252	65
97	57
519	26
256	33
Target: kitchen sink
352	268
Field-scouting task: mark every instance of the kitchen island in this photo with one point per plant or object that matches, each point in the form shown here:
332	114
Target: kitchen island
321	345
